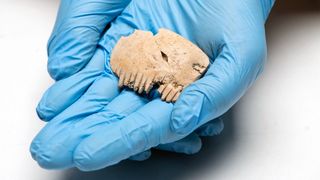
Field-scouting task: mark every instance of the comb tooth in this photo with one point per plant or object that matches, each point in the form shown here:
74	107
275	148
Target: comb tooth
161	88
149	85
175	98
142	84
166	91
133	76
132	79
117	71
137	82
171	95
127	77
121	78
201	70
179	88
114	68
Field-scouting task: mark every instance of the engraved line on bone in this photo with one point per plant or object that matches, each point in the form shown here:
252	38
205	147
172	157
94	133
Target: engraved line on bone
198	67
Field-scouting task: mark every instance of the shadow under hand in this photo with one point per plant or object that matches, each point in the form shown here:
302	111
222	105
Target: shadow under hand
167	165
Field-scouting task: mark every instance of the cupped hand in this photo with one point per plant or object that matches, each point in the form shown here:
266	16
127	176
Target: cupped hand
103	126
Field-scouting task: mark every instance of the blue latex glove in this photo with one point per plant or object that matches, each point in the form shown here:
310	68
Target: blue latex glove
78	28
103	127
72	44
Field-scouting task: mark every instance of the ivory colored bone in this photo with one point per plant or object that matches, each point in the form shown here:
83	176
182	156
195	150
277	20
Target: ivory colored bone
142	60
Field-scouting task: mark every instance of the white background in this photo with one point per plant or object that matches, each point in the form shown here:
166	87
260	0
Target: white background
272	133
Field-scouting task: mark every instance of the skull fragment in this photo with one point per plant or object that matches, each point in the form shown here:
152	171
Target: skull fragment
143	60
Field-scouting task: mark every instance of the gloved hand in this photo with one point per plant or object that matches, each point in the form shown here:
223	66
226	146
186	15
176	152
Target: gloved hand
102	127
78	28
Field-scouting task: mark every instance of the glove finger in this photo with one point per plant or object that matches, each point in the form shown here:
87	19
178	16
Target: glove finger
54	146
65	92
77	30
100	93
192	143
228	77
211	128
188	145
141	156
145	128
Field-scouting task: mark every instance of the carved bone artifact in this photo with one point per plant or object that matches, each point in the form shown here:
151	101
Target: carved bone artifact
166	59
